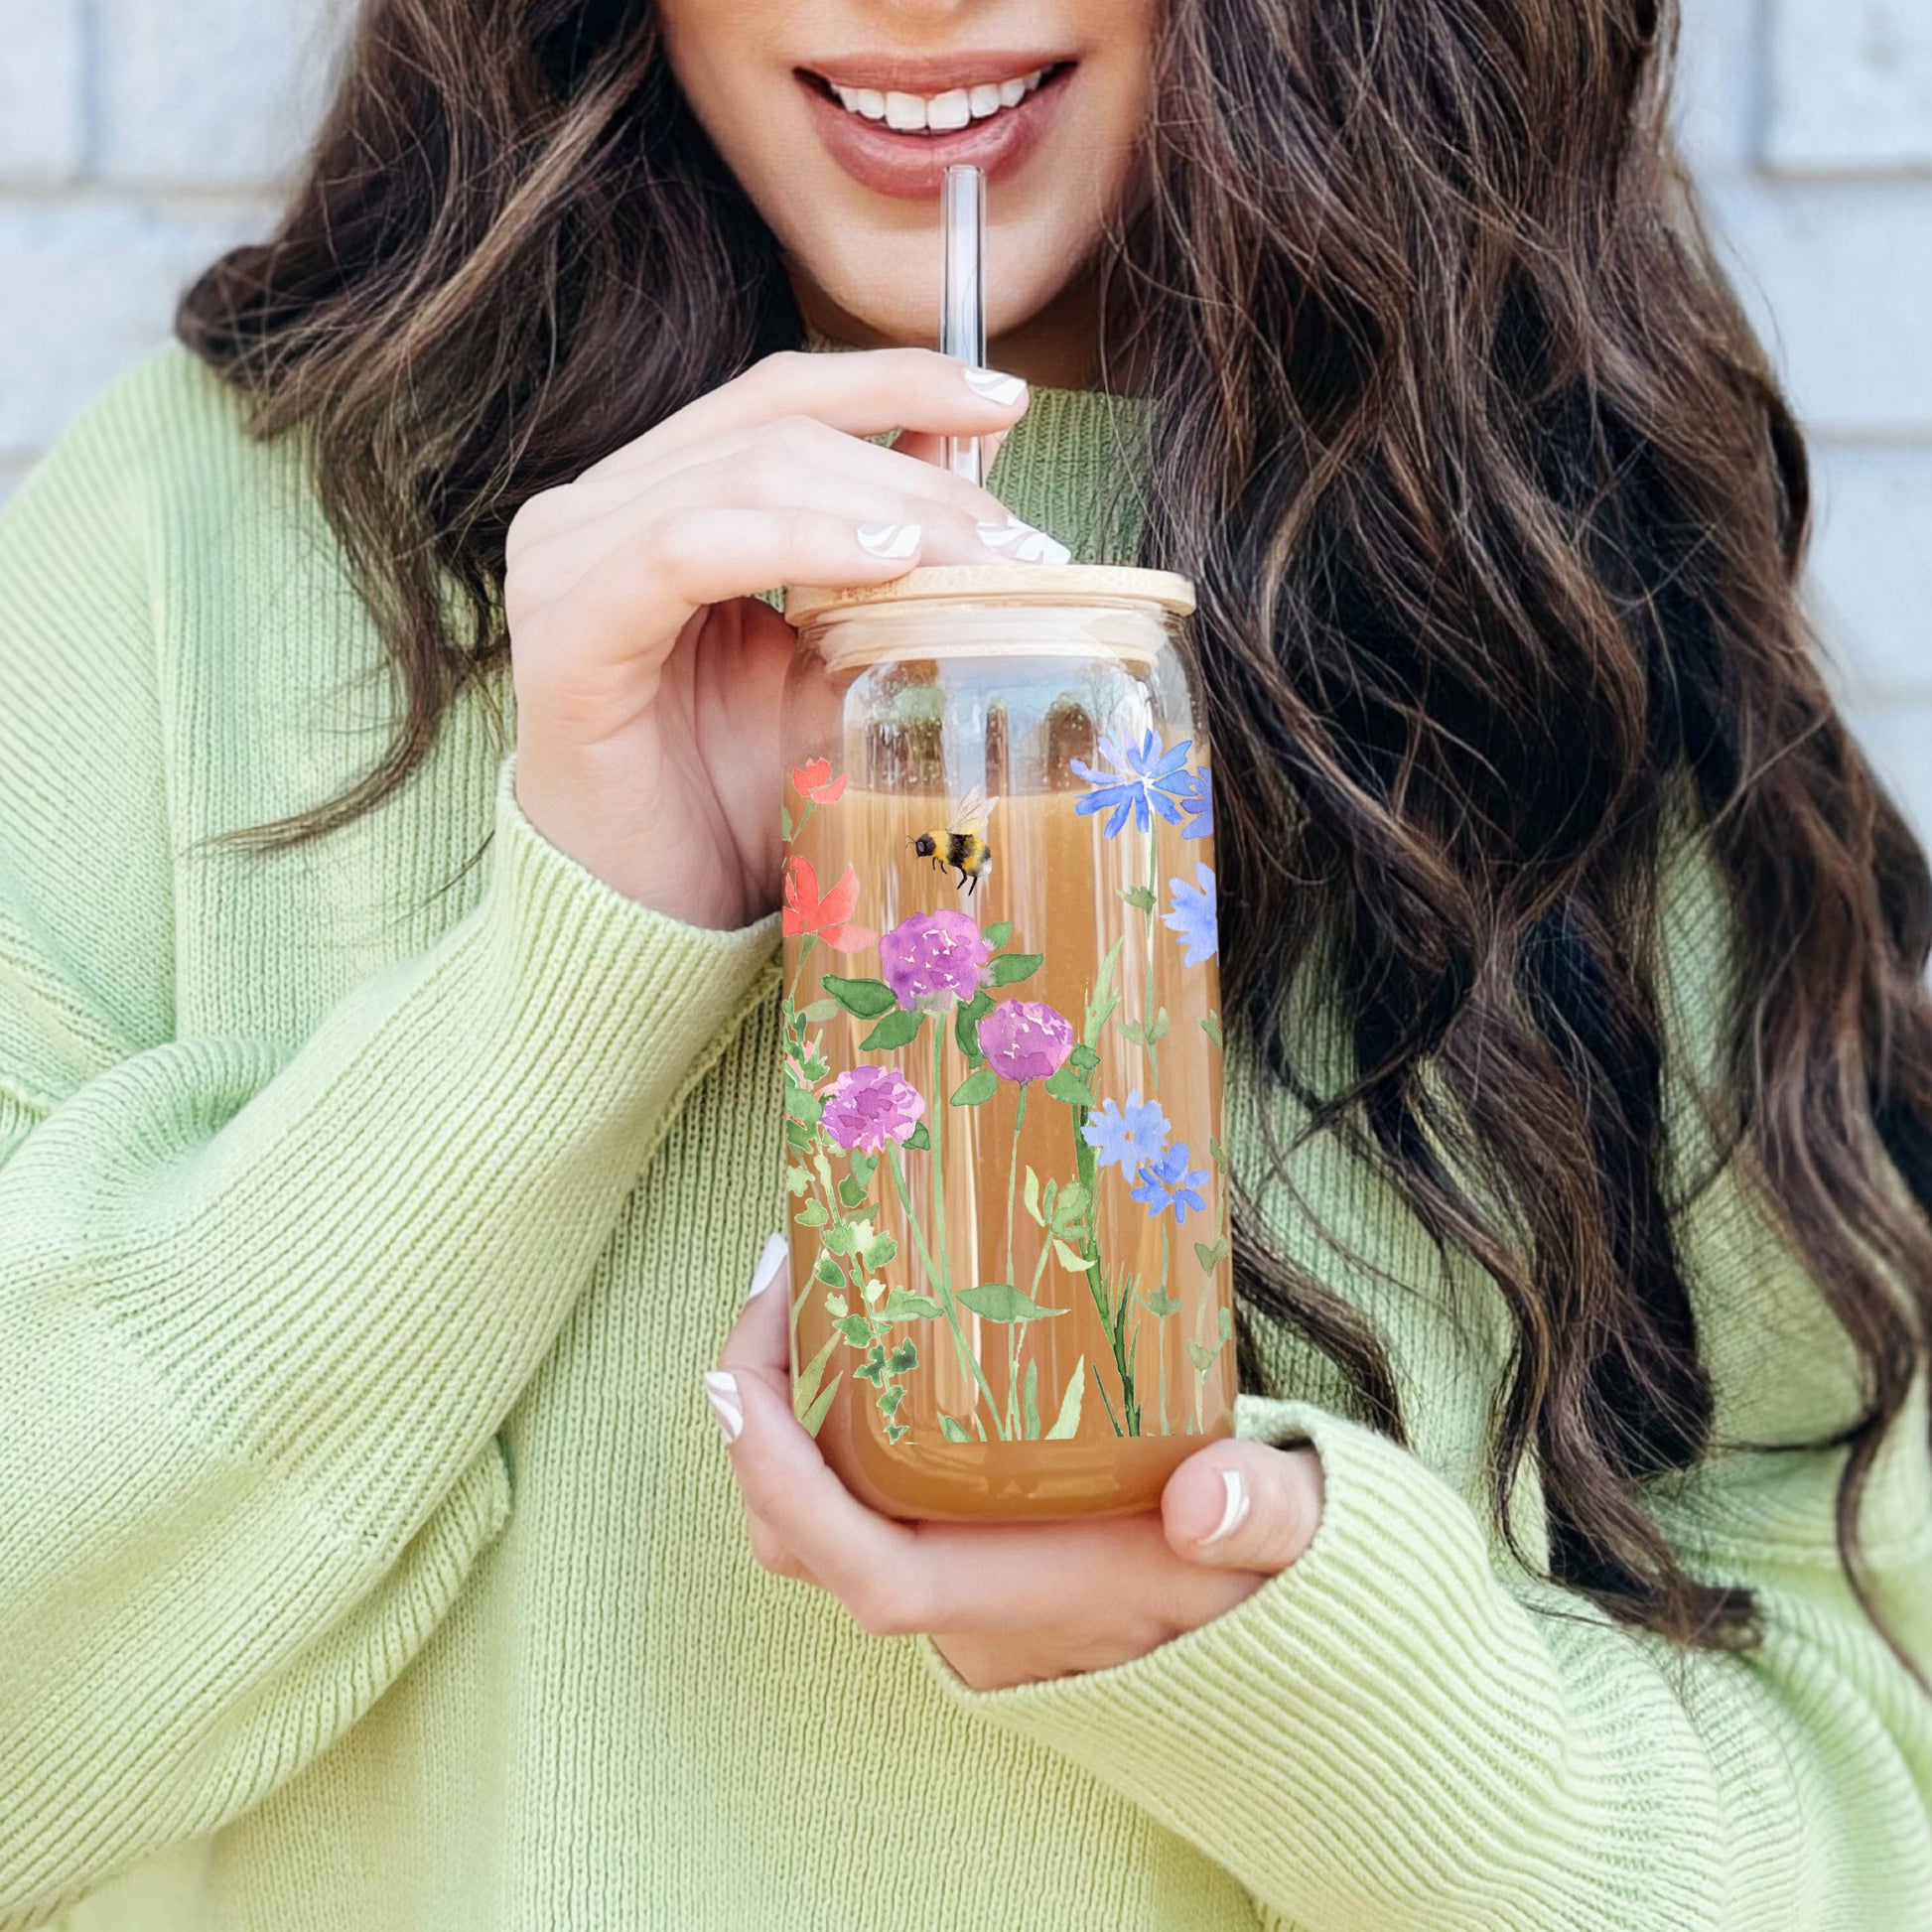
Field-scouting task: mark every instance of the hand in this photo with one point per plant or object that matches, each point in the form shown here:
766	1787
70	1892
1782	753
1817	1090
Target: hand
1004	1603
647	676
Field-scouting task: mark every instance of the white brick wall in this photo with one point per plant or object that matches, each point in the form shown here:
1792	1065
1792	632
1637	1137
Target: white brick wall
137	137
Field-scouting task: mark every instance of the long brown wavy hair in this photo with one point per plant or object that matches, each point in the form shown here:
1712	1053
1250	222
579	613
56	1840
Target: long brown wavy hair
1497	516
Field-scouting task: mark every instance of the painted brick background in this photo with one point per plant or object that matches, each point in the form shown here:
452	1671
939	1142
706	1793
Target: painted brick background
138	137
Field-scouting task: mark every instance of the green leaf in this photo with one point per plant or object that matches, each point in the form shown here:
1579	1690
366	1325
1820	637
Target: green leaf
1203	1357
837	1239
1083	1058
1157	1031
998	933
918	1140
1210	1258
804	1390
1217	1151
797	1135
1070	1208
852	1191
966	1024
879	1251
889	1399
1069	1258
829	1271
784	821
864	1167
863	999
901	1305
1031	1197
1139	897
1030	1402
1226	1325
803	1105
904	1358
1067	1423
1211	1026
976	1088
1100	1001
872	1368
1068	1087
816	1414
1013	966
856	1328
1161	1303
896	1029
797	1181
812	1214
894	1431
952	1430
1001	1302
819	1012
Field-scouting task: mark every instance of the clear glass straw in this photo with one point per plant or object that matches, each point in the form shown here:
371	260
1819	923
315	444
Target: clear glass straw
962	314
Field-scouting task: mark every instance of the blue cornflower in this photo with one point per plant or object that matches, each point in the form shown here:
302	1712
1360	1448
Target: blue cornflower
1195	791
1140	778
1194	917
1125	1138
1166	1183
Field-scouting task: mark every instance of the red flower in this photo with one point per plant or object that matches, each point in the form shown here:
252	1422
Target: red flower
815	781
828	918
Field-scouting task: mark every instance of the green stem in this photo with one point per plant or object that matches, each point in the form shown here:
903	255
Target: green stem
805	946
1147	1002
1013	1329
1161	1332
968	1361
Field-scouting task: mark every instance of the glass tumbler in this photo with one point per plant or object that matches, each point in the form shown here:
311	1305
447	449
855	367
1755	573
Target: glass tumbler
1011	1286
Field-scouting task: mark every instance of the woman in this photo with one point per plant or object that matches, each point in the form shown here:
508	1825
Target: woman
369	1215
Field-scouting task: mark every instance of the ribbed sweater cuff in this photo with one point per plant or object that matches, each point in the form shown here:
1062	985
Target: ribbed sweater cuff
386	1236
1375	1736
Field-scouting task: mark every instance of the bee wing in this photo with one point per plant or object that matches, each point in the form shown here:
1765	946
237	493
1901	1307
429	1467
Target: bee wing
972	811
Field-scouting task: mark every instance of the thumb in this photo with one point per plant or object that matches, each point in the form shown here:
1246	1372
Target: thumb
1244	1506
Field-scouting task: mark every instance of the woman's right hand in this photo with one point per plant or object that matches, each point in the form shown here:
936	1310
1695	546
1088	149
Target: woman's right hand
648	673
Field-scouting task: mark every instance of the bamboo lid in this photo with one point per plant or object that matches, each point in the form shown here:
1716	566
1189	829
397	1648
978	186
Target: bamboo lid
1004	584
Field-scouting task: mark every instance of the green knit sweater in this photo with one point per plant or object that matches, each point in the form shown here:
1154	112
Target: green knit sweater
368	1558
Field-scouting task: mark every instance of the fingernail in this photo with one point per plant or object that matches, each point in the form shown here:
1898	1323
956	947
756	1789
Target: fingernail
721	1391
1021	543
1234	1512
893	541
777	1251
994	386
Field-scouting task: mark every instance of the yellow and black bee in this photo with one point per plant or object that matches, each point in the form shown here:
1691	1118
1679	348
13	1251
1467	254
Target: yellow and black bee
962	846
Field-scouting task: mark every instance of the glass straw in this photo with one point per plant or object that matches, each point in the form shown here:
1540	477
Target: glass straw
962	314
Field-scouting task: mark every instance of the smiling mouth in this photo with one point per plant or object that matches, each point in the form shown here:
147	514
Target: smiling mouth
946	112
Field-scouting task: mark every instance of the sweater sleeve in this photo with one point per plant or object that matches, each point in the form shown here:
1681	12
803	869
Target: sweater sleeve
264	1309
1399	1732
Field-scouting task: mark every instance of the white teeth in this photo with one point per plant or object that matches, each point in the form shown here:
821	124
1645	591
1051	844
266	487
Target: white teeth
948	111
941	113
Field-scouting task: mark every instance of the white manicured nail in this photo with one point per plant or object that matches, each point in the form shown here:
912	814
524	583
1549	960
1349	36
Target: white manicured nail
1021	543
1234	1512
721	1391
891	541
777	1251
994	386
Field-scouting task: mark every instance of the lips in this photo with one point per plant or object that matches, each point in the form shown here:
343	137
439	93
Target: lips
909	160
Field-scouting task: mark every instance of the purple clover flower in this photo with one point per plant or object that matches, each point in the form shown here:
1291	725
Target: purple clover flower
869	1106
1125	1137
1025	1039
934	958
1193	919
1141	777
1166	1183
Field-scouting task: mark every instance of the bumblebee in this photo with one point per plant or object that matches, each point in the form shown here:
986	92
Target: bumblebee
962	846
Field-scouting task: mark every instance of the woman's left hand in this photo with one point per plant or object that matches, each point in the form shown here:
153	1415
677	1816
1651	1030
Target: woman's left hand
1004	1603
